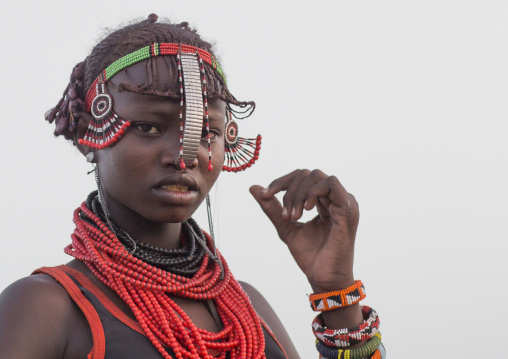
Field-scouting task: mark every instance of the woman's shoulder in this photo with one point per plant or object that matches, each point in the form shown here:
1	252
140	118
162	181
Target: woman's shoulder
268	315
262	307
35	296
36	318
41	284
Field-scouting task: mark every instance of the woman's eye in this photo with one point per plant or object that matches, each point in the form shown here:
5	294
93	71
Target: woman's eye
213	134
147	128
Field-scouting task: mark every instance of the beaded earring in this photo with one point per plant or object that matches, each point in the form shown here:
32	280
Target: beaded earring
241	153
106	127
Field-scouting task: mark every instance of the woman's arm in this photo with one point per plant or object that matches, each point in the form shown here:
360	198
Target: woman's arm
35	313
323	247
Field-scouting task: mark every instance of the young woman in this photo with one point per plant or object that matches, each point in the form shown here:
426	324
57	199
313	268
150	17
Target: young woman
150	108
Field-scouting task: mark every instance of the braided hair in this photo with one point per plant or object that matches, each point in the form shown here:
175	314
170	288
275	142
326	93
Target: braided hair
69	109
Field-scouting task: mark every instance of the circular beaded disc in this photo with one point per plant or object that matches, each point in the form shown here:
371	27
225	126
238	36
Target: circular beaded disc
231	132
102	105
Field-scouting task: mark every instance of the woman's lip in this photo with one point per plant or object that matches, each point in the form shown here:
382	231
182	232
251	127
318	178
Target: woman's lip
178	179
175	187
175	197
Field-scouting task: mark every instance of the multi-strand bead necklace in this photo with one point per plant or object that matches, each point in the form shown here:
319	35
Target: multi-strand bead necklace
147	289
184	261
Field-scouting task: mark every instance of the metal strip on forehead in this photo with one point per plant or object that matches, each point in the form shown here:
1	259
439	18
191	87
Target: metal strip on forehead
193	95
194	106
194	76
194	110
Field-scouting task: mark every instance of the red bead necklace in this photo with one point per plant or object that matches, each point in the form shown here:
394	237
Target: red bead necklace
145	289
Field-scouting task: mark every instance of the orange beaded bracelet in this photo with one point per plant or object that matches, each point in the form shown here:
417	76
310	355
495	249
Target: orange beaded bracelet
332	300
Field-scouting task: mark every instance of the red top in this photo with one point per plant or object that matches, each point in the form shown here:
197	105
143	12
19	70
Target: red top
115	335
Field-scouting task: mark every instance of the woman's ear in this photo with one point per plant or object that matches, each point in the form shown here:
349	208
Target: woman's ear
83	119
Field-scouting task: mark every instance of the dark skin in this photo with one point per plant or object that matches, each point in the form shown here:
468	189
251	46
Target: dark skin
37	317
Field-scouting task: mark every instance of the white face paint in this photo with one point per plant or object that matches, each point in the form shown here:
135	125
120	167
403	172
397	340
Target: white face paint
191	86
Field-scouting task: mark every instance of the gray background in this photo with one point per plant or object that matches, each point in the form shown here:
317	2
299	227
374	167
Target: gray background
404	101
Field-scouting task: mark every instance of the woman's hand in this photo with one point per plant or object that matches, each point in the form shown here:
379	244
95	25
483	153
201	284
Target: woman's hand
324	246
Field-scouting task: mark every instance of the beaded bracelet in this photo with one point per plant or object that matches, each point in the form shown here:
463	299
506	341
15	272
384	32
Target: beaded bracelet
338	299
380	353
341	338
370	348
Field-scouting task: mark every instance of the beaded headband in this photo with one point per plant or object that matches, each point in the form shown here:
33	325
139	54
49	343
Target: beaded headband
106	127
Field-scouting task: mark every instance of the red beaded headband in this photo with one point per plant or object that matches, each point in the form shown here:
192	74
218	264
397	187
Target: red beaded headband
106	127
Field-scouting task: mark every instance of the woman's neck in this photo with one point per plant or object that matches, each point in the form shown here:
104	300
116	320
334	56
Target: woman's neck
163	235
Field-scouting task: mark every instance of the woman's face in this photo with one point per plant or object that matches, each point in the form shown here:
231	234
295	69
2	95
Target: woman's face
139	174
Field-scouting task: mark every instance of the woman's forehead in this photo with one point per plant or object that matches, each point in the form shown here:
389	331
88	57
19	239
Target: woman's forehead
135	103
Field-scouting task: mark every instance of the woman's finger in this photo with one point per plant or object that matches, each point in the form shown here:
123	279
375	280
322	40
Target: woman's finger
301	194
293	193
303	191
279	185
272	208
329	189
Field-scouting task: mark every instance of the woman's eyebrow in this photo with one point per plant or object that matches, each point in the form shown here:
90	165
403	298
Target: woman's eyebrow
162	111
213	118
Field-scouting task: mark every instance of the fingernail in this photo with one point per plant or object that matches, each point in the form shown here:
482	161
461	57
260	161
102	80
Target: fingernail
264	190
305	204
284	212
293	213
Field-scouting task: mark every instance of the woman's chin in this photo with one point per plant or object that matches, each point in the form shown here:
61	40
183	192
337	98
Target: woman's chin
172	217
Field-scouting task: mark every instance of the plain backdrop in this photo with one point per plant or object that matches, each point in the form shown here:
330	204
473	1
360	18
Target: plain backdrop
404	101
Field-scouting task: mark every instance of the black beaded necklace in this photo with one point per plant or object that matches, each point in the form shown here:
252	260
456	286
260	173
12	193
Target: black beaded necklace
184	261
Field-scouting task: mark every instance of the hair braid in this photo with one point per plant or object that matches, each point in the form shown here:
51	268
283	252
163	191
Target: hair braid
71	103
123	41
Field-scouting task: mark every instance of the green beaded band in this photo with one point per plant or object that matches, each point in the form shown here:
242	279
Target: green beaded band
217	68
127	60
153	50
356	353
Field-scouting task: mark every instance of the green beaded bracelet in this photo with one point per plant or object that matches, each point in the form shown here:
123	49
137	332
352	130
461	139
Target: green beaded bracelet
356	353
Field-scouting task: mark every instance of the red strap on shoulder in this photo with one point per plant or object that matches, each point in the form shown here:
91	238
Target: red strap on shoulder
269	331
99	344
85	282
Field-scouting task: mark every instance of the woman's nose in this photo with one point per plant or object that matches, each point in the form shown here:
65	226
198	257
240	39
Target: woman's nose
171	154
183	166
